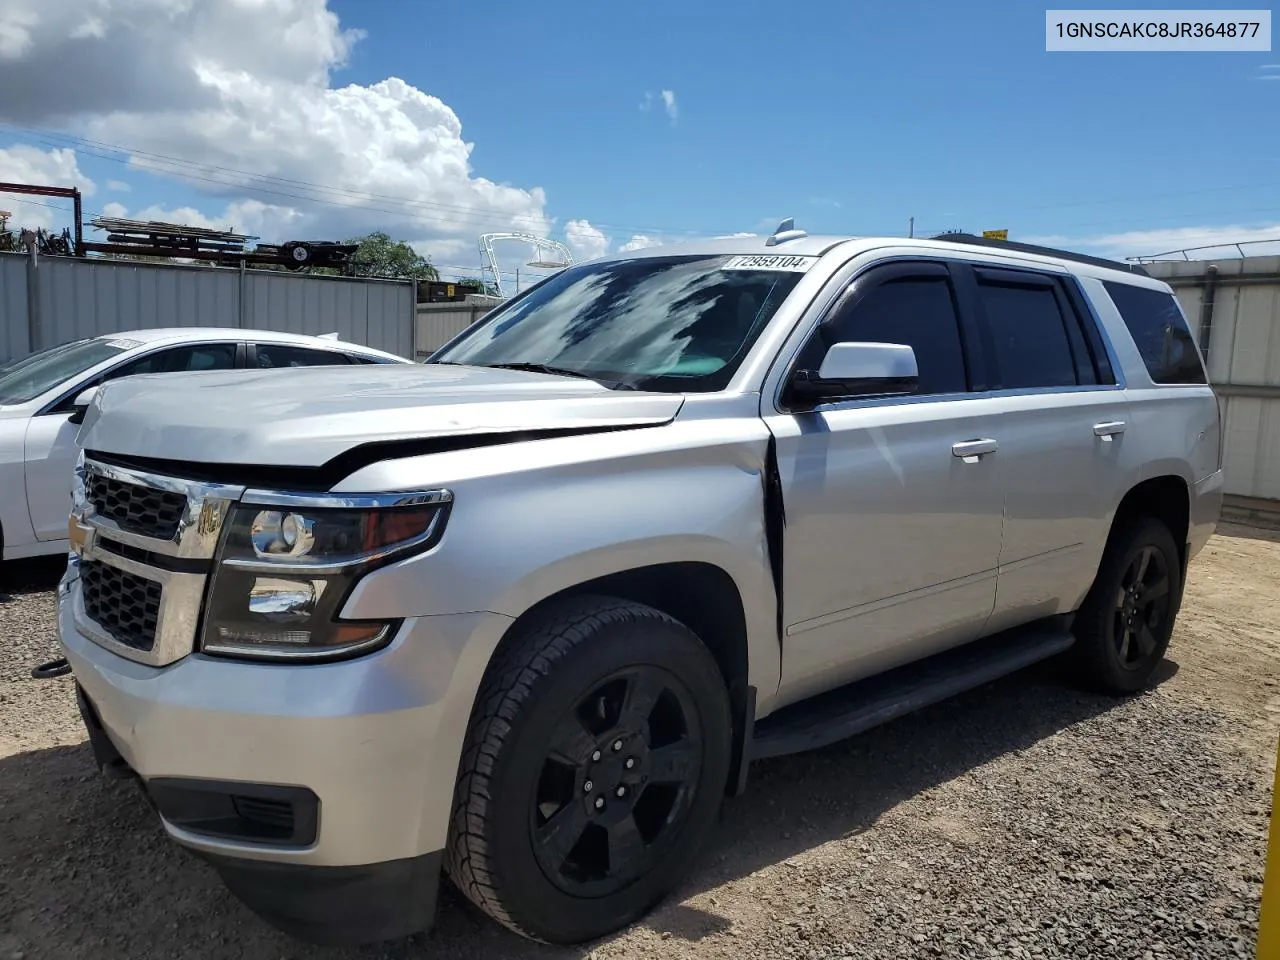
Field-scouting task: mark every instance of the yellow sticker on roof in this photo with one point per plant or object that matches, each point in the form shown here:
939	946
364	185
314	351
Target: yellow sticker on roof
771	261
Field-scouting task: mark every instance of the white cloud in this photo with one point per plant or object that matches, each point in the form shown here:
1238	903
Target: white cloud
53	168
639	242
669	104
735	236
586	241
245	85
1138	243
115	209
668	98
15	29
119	186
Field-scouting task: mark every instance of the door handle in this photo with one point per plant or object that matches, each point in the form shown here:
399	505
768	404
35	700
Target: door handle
1108	430
970	450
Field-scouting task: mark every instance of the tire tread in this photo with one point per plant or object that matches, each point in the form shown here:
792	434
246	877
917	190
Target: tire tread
507	687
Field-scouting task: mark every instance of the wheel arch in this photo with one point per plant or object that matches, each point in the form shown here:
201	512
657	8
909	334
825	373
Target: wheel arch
706	599
1166	498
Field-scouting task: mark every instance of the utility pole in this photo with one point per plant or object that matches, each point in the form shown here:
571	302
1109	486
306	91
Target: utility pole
911	227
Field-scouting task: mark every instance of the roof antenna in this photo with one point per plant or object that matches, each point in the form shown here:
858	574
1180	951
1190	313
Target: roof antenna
786	231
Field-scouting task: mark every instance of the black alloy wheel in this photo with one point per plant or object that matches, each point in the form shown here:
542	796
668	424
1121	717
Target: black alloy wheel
1124	625
1141	607
616	783
595	764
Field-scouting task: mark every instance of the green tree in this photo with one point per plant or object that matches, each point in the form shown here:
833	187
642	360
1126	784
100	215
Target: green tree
380	256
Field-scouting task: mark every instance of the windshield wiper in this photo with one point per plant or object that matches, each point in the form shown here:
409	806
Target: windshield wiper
561	372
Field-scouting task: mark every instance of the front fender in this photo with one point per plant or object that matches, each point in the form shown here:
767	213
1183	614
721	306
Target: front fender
576	509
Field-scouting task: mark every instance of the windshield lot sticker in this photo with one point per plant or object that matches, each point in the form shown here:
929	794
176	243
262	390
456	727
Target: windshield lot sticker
124	344
775	261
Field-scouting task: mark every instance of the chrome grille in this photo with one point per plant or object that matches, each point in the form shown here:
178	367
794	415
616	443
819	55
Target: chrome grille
143	556
135	508
124	604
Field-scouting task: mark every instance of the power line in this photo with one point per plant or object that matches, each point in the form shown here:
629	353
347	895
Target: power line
162	164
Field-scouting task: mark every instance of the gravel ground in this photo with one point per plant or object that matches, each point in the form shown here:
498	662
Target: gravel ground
1022	820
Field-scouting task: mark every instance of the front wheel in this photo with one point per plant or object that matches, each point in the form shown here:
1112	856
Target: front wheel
595	762
1123	628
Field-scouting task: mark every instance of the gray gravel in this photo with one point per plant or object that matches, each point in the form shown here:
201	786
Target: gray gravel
1023	820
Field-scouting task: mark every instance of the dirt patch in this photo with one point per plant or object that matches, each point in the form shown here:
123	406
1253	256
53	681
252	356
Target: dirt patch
1025	819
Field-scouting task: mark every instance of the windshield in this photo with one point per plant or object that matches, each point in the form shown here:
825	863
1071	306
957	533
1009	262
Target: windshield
25	379
680	323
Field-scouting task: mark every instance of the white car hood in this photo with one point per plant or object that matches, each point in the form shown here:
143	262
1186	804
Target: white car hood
305	417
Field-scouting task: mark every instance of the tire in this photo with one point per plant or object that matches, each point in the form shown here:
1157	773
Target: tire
552	754
1105	660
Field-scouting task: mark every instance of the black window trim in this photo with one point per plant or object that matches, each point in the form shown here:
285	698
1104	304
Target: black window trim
1070	300
53	407
856	288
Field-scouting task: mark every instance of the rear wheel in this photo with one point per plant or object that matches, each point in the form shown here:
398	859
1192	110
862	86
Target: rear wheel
595	762
1123	627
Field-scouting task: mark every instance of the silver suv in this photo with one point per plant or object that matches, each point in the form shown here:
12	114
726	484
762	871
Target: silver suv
525	613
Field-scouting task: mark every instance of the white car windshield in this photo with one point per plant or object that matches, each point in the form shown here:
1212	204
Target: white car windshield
680	323
26	379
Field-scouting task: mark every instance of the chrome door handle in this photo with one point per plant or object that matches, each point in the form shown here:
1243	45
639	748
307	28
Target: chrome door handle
1106	431
970	450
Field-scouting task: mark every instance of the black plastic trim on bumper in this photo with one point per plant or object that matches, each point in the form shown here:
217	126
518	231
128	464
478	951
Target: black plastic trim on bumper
337	906
105	754
232	810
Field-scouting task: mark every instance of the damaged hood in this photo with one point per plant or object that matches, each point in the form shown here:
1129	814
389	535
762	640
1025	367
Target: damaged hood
306	416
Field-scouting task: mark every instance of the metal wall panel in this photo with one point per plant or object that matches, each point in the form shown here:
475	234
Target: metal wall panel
14	318
373	312
1243	359
438	323
83	298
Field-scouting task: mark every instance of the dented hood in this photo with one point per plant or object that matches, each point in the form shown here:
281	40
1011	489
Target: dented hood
306	416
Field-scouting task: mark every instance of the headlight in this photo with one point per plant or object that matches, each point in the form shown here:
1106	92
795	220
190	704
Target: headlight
287	564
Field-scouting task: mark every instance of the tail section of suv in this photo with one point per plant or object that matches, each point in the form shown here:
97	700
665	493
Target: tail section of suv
523	615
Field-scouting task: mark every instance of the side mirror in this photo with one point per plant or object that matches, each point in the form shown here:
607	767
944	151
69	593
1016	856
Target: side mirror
858	370
80	405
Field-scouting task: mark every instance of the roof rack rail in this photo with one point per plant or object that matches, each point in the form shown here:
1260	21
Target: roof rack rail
976	241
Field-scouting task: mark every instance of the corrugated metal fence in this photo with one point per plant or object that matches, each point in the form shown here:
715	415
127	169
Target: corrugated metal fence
58	299
1233	307
438	323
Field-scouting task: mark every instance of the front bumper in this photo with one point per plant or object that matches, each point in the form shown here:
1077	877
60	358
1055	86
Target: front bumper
375	740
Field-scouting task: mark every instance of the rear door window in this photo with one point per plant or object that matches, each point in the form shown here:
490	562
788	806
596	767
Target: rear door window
1160	332
271	356
1028	332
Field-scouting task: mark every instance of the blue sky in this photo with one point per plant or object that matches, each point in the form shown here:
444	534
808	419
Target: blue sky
850	117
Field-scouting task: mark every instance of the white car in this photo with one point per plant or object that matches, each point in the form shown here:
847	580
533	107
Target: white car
43	397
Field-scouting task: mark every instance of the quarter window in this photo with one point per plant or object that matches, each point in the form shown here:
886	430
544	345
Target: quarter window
1160	332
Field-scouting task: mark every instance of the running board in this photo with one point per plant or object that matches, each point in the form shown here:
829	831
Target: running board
857	707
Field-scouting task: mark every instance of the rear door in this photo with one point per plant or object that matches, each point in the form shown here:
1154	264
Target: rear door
1062	436
51	437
